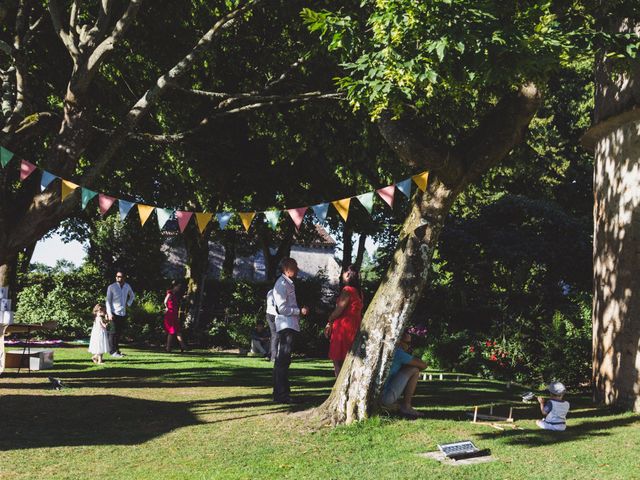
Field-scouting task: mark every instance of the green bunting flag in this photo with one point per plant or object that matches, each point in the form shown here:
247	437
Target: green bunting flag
87	196
272	217
366	199
5	156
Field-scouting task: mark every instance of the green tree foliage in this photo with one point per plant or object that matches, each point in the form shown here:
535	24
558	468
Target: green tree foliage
64	294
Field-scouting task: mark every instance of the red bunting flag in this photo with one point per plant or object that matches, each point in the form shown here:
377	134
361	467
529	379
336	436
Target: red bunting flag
387	194
183	219
297	215
26	169
105	202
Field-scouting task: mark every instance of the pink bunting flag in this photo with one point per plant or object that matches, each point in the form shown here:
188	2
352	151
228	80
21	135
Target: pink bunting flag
26	169
387	194
297	215
105	202
183	219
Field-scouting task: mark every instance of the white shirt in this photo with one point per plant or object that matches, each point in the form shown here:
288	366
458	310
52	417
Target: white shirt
119	298
271	304
288	313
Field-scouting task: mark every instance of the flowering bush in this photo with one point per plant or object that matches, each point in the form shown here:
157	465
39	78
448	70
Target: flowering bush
499	359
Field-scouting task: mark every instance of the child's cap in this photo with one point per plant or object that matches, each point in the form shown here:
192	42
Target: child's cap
556	388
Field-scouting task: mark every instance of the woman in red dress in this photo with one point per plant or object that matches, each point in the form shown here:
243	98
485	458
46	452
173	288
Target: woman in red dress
171	321
344	322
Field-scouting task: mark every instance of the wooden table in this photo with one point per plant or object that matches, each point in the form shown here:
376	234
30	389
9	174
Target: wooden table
20	328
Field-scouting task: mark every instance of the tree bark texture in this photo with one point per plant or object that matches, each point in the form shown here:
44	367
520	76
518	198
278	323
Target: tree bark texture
357	388
616	239
616	269
347	245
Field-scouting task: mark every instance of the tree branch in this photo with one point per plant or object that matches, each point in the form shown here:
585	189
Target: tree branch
499	131
6	48
284	75
109	43
55	12
259	102
405	137
153	94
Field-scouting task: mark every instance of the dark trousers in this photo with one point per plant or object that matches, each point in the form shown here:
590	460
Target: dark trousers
271	321
281	388
116	332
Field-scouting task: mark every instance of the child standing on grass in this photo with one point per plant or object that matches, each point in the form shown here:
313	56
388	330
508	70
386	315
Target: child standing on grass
99	342
555	409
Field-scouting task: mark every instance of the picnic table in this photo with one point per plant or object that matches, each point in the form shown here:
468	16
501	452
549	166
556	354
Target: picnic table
27	328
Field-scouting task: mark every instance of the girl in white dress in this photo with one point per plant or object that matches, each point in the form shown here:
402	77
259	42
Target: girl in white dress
99	342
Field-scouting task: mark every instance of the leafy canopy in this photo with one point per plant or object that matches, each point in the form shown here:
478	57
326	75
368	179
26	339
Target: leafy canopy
401	52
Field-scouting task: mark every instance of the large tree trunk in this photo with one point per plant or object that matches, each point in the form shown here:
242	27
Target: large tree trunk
8	266
197	246
364	371
362	241
616	240
355	393
347	245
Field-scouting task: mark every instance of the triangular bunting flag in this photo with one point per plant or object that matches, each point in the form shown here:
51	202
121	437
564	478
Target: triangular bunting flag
45	181
5	156
124	207
320	211
405	187
247	218
105	202
202	220
67	188
343	207
87	195
144	211
183	219
366	199
223	219
297	215
387	193
163	214
26	169
272	217
421	180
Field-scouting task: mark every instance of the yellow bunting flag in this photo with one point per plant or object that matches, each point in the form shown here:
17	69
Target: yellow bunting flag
343	207
144	211
247	218
421	180
67	188
203	219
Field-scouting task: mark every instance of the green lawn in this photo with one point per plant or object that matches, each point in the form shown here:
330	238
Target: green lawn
204	415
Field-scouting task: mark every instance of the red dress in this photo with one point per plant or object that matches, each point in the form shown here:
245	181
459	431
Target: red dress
345	327
171	322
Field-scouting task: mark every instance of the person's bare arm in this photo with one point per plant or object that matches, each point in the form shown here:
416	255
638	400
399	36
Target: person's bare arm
417	362
341	304
541	401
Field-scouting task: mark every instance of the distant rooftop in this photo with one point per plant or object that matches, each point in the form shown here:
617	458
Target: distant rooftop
318	238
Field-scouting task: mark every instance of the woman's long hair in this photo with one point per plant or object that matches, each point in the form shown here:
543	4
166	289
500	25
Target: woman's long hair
351	278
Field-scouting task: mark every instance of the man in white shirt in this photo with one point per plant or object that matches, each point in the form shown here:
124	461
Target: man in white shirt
119	297
287	324
271	321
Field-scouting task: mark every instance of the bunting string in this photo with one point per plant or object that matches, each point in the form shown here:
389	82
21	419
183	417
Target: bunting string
202	219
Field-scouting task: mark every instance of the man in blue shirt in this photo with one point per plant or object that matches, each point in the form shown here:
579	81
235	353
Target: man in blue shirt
403	379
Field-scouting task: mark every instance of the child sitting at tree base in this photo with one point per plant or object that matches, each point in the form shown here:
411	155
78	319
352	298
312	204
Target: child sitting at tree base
555	408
